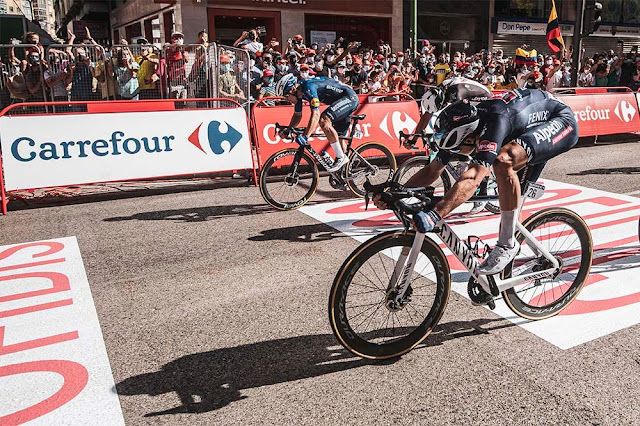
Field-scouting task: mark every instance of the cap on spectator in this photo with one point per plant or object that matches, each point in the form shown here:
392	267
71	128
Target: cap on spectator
400	54
304	67
293	54
142	40
267	73
297	37
259	54
357	60
425	42
380	57
176	34
341	64
537	75
556	62
380	42
224	59
310	52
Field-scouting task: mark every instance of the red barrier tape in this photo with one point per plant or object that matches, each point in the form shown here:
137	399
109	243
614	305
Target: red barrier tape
385	119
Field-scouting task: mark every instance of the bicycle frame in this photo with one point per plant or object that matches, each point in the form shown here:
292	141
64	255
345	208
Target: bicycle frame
403	270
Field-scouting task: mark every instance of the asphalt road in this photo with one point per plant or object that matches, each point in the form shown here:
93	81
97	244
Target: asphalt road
213	308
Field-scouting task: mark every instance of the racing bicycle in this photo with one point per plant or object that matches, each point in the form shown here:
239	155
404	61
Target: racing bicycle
453	170
289	177
390	293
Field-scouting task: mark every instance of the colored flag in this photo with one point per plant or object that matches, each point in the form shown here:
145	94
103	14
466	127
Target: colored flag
527	57
554	37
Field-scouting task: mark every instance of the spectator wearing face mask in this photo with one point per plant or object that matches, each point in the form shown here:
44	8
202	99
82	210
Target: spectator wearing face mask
305	72
357	76
250	41
423	72
176	60
341	73
585	78
441	69
320	69
267	62
489	77
555	76
227	84
268	87
282	69
81	77
34	75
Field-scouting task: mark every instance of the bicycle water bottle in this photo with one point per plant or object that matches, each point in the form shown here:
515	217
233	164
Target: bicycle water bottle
326	157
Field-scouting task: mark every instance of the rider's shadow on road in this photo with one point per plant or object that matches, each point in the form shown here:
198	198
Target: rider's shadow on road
208	381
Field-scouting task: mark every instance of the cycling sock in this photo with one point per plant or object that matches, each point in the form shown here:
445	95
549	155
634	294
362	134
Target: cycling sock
337	149
508	222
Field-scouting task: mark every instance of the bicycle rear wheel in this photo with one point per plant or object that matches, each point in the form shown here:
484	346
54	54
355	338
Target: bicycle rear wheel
370	160
566	236
286	185
358	312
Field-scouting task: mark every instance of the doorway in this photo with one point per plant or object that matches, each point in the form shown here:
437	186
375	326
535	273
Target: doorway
227	25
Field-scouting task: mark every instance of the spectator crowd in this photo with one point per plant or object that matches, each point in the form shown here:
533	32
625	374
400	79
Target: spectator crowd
250	70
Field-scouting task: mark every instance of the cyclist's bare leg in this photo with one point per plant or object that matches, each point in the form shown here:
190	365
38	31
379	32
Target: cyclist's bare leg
332	135
511	158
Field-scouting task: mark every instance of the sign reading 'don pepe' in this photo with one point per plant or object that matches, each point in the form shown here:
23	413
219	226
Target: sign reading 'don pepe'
45	151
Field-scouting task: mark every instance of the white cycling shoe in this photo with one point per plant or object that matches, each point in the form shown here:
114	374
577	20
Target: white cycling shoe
478	206
498	259
338	163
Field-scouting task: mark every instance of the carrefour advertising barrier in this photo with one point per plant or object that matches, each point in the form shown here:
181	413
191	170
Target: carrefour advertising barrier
604	114
49	150
384	120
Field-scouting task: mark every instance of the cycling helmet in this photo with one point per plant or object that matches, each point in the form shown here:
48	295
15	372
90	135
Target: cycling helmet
455	123
285	84
433	100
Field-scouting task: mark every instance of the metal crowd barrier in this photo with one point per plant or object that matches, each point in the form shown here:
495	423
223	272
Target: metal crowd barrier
186	72
21	80
235	84
148	58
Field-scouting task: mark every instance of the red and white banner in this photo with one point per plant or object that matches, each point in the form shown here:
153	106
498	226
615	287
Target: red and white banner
55	150
385	119
54	367
610	299
604	114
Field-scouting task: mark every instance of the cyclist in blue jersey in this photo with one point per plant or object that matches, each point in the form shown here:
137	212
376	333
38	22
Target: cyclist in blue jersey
334	121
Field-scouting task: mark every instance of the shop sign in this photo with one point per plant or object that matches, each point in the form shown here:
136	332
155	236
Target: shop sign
616	31
529	28
323	37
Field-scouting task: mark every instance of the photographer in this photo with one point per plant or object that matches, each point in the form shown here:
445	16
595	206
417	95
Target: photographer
249	40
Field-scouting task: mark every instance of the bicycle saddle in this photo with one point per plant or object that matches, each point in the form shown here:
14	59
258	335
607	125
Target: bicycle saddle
359	117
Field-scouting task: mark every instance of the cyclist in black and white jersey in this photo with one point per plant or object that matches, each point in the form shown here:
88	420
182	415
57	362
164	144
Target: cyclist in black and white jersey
524	127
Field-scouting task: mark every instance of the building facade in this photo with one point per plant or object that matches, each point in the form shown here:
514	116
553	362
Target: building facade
76	15
225	20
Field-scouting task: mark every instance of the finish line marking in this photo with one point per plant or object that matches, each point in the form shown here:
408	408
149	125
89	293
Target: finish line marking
52	354
608	302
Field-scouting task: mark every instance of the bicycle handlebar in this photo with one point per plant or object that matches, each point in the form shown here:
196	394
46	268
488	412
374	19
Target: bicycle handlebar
394	194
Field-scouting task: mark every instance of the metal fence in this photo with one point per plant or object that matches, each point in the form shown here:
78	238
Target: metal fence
235	83
22	76
186	72
146	60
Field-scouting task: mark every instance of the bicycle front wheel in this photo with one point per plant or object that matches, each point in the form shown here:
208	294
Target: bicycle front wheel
358	312
413	166
567	237
373	161
288	179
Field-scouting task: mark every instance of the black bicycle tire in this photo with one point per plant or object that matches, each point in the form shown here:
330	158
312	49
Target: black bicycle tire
511	297
264	175
337	309
390	158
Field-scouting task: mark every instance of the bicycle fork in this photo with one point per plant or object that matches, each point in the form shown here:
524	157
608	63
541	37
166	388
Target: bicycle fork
403	271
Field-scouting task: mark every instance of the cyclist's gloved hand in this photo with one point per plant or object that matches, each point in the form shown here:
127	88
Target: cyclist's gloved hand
285	133
426	221
302	140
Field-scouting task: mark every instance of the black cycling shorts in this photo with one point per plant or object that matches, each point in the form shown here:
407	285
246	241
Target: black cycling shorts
549	139
340	112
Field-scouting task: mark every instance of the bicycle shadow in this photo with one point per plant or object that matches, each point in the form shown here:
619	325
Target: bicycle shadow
608	171
197	214
208	381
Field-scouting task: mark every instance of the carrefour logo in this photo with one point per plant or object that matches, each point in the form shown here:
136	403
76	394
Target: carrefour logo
625	111
25	149
217	134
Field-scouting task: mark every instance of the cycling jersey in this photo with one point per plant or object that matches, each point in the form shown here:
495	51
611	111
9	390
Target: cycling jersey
535	120
322	90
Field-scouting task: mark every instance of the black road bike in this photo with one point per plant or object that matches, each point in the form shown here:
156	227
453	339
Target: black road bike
289	178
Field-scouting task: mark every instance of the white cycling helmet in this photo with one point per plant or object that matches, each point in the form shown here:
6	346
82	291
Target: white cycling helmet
455	123
433	100
285	84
